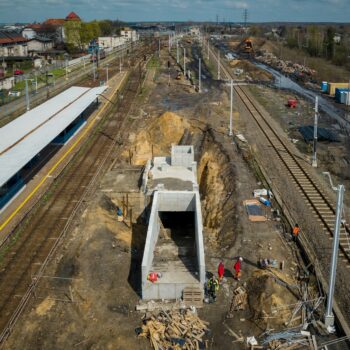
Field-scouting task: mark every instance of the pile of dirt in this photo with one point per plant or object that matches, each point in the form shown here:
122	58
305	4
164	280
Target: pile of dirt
233	44
156	139
250	69
270	296
269	46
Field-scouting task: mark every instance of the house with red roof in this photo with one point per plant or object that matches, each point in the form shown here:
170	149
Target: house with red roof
12	44
52	28
73	17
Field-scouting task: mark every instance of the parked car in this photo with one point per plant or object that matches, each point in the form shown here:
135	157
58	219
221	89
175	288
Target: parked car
14	93
18	72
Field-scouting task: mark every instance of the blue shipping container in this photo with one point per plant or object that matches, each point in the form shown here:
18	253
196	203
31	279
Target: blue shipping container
338	92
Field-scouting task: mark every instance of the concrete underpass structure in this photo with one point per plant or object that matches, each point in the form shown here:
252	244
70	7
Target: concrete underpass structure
174	244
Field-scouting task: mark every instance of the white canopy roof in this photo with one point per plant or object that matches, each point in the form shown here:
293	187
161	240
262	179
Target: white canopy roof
22	139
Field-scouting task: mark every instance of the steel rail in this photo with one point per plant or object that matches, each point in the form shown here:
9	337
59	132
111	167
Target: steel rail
296	170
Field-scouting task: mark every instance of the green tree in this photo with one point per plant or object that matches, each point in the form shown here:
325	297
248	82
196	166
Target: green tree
95	29
292	38
106	27
328	43
72	33
79	34
340	57
313	41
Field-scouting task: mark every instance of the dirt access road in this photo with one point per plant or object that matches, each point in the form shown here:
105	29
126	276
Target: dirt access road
88	298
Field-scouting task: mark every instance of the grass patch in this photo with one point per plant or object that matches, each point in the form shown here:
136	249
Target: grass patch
153	63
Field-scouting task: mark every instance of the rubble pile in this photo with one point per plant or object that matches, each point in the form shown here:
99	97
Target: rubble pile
175	330
287	67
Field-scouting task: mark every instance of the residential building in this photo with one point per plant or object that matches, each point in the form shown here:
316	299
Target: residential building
13	44
39	44
31	30
52	28
129	34
111	41
7	83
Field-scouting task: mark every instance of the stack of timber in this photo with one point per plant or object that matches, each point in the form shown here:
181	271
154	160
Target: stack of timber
175	330
239	301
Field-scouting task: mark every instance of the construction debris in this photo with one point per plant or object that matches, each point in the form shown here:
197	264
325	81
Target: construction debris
254	210
291	340
238	338
239	301
160	305
175	330
288	67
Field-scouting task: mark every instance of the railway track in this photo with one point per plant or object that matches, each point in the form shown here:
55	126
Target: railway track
38	238
307	186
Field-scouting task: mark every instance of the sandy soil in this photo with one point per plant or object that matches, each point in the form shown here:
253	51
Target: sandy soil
91	304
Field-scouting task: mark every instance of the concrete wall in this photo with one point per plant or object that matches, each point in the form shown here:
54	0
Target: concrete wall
145	176
151	240
37	45
157	291
175	201
182	156
199	239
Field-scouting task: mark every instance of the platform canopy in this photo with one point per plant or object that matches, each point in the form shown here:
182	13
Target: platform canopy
25	137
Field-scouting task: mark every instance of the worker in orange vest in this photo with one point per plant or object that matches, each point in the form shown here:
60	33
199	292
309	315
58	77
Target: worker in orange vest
295	232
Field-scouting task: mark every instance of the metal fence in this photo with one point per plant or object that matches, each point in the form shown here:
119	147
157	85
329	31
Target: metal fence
80	69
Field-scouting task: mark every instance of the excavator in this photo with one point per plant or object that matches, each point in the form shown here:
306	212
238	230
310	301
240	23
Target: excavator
246	47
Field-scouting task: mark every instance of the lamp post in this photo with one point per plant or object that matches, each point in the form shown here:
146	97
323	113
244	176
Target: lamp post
200	76
208	49
107	73
66	69
340	189
314	156
93	70
27	95
219	77
184	61
177	51
231	109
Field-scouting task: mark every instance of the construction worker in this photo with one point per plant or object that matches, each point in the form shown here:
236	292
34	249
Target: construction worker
213	287
295	232
237	268
221	270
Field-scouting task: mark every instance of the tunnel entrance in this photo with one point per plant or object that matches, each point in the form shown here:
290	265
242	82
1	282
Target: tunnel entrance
175	251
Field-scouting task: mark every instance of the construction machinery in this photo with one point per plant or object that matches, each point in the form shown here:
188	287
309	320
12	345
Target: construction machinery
246	47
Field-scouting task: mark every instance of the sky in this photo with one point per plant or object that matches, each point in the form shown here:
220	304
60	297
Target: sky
178	10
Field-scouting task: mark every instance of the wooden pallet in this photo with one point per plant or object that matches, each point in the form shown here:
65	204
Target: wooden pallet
193	296
239	301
